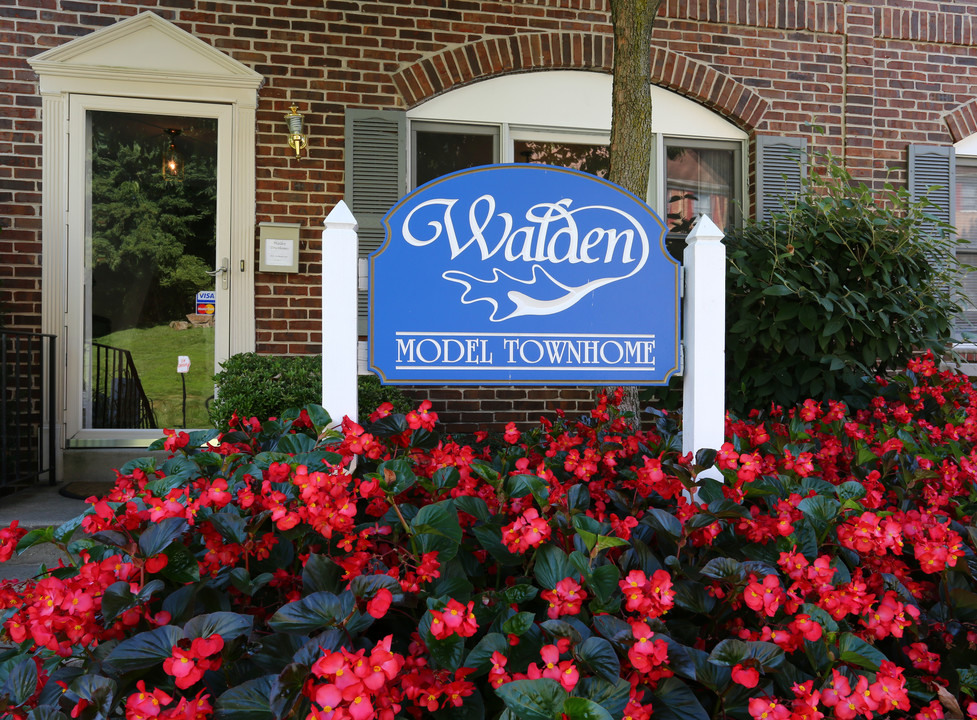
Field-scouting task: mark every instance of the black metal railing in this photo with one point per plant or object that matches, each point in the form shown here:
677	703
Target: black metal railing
118	398
28	441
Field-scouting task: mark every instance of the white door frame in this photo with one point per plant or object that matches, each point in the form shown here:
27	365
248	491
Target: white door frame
143	56
79	250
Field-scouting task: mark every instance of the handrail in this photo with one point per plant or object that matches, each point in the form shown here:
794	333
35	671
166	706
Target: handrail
118	398
27	407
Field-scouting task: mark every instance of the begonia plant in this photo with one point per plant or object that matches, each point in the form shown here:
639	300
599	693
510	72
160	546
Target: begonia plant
818	565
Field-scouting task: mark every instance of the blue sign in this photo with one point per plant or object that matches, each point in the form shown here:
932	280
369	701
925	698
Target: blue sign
523	275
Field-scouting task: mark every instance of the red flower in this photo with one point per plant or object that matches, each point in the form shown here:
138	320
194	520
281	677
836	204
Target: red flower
9	537
378	605
748	677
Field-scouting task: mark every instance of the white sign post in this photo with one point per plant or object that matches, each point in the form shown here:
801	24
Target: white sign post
704	340
339	336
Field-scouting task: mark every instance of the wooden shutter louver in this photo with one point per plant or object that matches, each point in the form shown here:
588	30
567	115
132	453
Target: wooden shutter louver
932	175
376	172
781	169
932	171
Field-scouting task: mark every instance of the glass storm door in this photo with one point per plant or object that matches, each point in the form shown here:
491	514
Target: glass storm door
148	286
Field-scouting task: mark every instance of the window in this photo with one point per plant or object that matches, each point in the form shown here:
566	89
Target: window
439	148
966	224
700	178
442	148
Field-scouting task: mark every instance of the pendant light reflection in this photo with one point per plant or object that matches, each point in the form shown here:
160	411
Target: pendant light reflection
172	158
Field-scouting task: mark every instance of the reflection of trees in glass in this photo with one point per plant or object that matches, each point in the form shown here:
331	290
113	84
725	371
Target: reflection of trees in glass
440	153
698	180
152	241
593	159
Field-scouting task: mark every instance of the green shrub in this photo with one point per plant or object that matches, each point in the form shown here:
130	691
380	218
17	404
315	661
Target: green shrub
372	395
265	386
836	289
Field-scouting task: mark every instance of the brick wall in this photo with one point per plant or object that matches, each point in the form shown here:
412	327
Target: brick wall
874	75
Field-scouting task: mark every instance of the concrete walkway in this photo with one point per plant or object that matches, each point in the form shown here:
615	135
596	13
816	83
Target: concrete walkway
41	506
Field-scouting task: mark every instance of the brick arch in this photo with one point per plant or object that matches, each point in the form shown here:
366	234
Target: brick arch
962	121
491	57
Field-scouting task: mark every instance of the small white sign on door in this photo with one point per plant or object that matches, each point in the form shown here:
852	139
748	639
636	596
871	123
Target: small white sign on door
182	364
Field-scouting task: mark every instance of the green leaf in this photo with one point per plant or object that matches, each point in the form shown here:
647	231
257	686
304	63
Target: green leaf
182	567
396	476
321	574
777	290
36	536
533	699
446	478
21	682
605	542
319	417
46	712
480	656
448	653
437	529
552	565
98	690
850	490
820	510
598	654
521	485
733	652
159	536
663	521
118	598
578	708
723	568
852	649
64	532
519	623
248	701
864	454
295	444
613	697
312	613
231	526
676	701
604	582
613	628
693	596
145	649
228	625
518	594
474	506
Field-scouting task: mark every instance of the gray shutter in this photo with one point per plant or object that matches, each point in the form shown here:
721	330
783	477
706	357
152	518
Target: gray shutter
781	166
376	176
932	175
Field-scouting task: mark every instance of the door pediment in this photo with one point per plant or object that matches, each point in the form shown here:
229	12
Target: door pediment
143	48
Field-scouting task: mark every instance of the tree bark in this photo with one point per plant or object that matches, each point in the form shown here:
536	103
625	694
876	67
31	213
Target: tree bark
631	135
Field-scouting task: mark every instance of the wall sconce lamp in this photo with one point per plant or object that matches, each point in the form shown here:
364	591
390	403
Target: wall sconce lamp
297	140
172	158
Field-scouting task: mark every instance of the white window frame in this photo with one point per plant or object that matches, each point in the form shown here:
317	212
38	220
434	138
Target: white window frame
537	105
966	154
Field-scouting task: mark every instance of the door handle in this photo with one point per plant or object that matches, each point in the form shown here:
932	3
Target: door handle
222	271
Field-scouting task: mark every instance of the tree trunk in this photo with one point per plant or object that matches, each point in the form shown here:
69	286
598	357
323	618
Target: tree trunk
631	135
